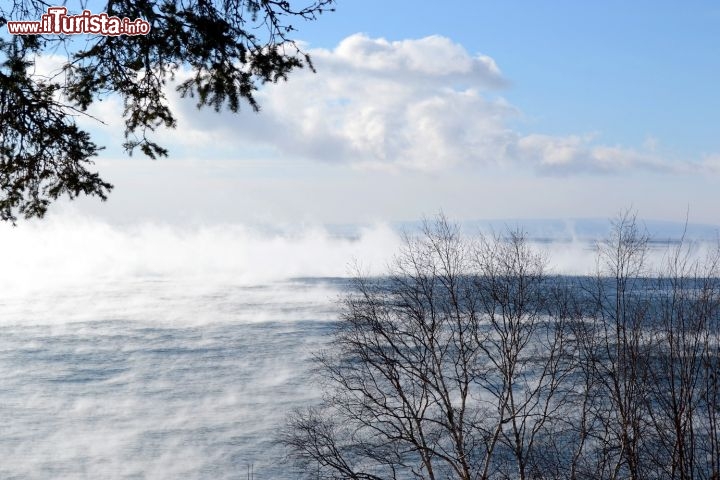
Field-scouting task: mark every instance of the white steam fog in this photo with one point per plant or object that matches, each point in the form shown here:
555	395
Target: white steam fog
152	351
157	352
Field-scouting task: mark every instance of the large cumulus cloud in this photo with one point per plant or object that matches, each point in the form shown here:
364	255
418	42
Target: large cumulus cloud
420	104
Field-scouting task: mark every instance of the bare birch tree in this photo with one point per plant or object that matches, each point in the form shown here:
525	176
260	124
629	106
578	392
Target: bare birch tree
468	361
447	368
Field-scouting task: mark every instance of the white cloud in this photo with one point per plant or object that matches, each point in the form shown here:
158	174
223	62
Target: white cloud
420	104
413	104
430	57
711	163
576	154
424	104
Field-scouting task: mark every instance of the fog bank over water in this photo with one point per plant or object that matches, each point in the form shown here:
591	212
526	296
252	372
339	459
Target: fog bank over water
59	252
44	258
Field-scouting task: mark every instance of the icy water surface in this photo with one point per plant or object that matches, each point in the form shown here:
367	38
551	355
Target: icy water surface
156	380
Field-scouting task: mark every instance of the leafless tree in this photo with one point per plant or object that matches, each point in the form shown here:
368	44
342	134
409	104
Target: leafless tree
469	361
647	398
447	368
685	311
615	367
526	348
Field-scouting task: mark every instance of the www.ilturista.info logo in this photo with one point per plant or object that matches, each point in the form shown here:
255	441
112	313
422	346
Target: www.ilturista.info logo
57	21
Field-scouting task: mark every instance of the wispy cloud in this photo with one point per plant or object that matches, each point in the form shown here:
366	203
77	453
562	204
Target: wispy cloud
578	154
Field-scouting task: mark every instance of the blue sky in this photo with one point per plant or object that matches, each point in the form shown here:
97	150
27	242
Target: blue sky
483	109
629	70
